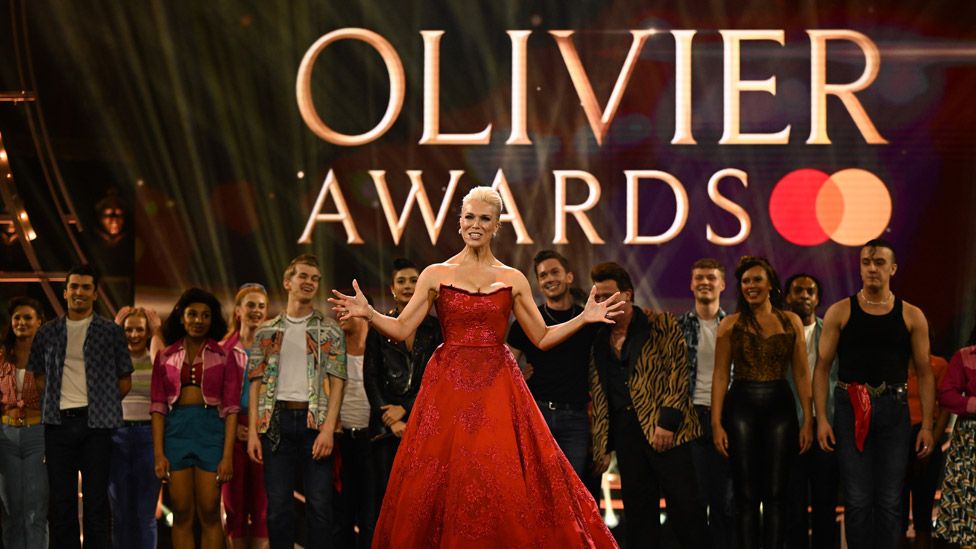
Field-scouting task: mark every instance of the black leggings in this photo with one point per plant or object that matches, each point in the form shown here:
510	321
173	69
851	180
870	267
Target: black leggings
760	419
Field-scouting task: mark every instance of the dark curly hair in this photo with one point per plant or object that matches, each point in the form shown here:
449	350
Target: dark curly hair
775	291
400	264
173	329
9	339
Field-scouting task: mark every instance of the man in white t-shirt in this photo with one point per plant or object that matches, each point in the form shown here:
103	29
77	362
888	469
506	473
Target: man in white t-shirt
700	327
297	368
814	479
81	364
356	504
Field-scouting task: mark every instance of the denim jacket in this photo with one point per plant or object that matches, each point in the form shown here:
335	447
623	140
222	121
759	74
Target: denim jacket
220	382
690	323
325	354
830	384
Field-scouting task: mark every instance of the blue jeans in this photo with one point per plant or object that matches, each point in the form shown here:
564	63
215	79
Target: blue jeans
295	453
133	488
873	479
571	429
25	489
714	477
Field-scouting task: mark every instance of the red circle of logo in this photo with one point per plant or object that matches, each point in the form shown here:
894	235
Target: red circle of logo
850	207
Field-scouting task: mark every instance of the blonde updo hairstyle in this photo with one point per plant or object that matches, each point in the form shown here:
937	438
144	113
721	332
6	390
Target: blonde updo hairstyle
489	196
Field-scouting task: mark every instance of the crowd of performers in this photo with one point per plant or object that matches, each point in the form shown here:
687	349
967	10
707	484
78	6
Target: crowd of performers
769	407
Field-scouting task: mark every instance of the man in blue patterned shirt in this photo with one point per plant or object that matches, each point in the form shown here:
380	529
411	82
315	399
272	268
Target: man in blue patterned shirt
700	327
82	367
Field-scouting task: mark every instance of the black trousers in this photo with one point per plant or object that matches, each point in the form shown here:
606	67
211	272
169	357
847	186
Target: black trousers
760	420
382	455
355	505
814	483
921	483
69	448
644	475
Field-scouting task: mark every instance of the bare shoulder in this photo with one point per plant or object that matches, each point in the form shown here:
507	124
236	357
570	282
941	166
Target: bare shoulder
512	277
508	274
433	276
914	317
438	270
838	313
727	323
794	320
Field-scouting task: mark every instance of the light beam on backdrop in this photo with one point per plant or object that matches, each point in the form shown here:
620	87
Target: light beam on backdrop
198	101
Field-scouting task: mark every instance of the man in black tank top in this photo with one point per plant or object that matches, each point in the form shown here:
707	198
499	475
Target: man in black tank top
875	335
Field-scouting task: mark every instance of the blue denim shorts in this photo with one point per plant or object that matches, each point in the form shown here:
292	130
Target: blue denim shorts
194	437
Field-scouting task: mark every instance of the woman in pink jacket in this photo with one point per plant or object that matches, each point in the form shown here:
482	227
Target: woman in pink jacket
195	393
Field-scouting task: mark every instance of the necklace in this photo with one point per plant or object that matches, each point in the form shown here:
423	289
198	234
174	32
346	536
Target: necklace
884	301
549	315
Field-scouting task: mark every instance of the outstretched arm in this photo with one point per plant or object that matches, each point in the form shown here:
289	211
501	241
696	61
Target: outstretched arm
546	337
396	328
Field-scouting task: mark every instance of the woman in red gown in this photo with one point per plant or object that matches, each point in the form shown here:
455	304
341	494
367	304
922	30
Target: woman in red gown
477	466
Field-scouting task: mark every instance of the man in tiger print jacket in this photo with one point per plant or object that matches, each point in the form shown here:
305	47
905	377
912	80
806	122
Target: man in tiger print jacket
642	410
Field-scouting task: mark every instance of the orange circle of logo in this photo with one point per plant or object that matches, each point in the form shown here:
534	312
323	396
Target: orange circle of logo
850	207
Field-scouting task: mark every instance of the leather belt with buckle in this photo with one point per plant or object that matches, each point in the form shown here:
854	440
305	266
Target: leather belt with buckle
20	421
899	390
356	432
75	412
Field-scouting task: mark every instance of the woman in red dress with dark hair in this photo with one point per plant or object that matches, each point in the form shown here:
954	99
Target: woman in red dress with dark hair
477	466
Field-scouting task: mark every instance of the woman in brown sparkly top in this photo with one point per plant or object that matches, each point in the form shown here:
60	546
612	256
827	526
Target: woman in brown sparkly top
756	426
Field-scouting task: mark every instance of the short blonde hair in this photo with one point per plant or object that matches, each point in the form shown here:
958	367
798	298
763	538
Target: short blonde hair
487	195
303	259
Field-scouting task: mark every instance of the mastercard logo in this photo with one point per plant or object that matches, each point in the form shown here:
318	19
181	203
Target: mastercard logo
850	207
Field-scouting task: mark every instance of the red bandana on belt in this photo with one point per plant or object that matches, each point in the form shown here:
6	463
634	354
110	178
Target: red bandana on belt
861	402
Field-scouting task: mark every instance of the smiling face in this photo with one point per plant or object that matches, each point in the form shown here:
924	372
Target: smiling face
707	284
554	280
303	285
80	294
404	284
252	309
136	328
755	285
24	322
479	222
196	320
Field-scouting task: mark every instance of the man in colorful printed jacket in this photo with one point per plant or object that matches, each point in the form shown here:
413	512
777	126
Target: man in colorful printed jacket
297	369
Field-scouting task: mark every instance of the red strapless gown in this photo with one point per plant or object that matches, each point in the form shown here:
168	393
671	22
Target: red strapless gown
477	466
